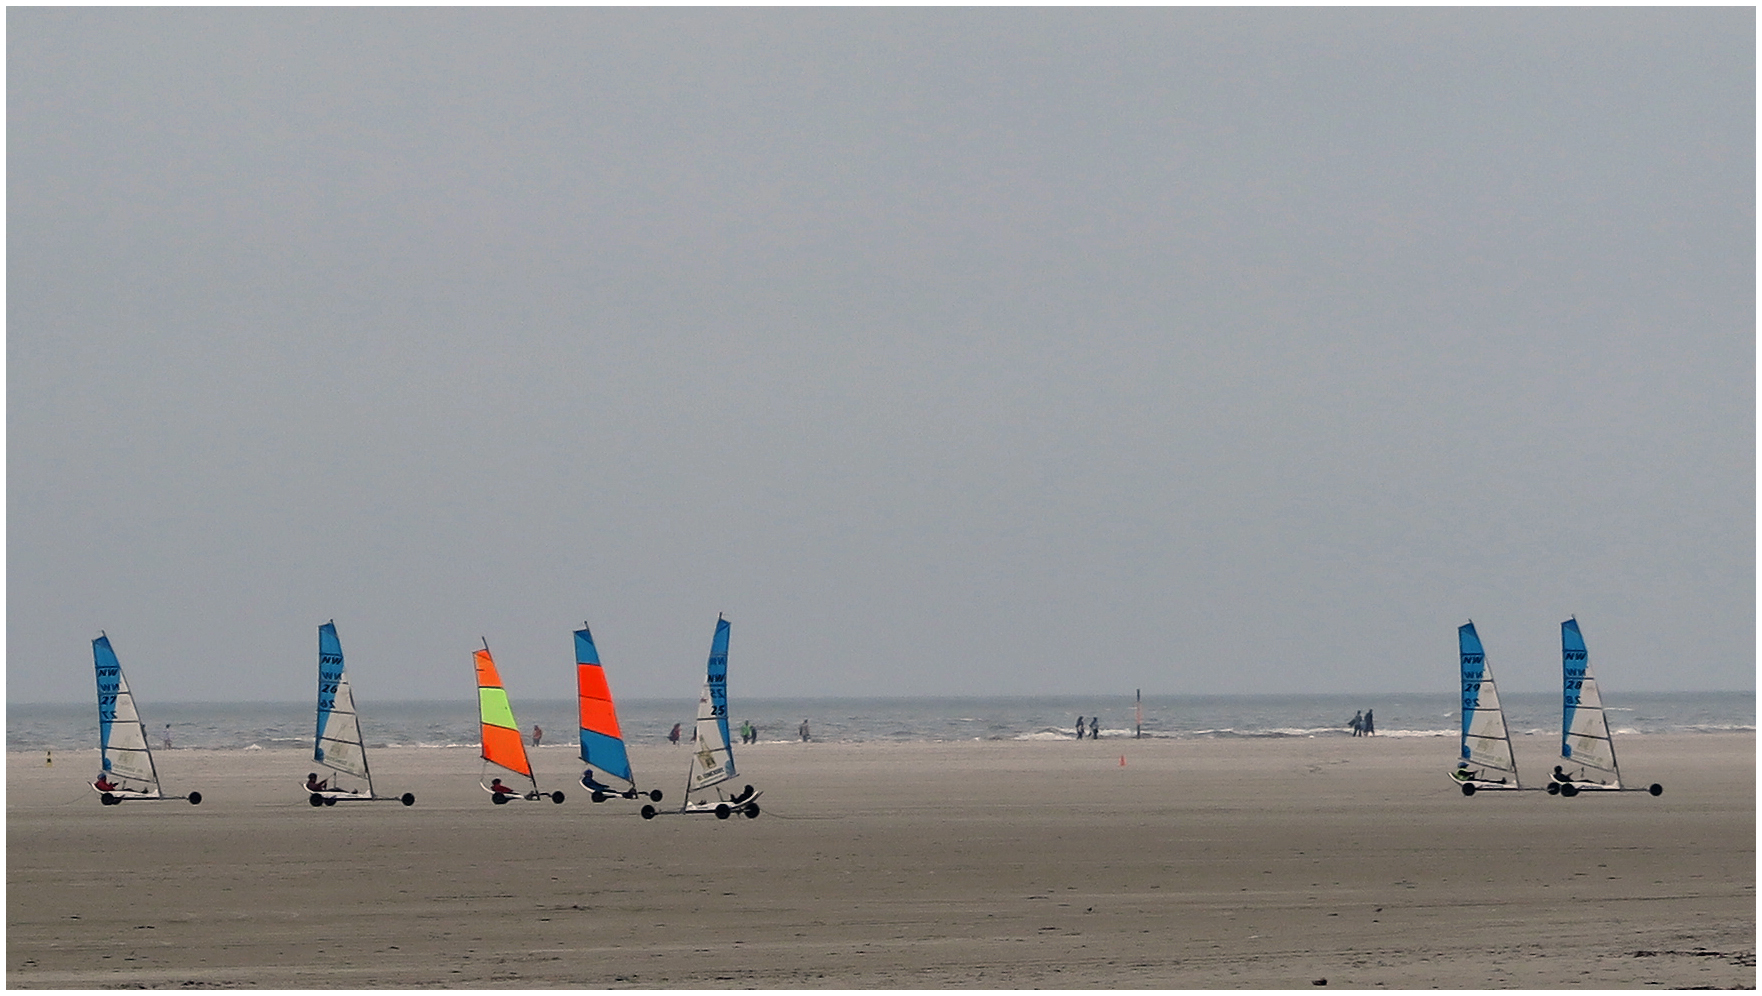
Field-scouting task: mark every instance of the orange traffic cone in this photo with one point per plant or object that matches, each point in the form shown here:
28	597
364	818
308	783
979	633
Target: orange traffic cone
1122	760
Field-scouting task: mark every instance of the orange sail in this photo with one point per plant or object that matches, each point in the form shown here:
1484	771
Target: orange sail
501	734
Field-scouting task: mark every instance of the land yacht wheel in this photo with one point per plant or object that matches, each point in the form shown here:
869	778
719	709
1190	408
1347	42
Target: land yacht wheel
557	797
1656	789
108	800
1467	788
599	797
1553	788
315	799
654	795
1569	790
648	812
408	798
498	799
195	798
722	811
752	810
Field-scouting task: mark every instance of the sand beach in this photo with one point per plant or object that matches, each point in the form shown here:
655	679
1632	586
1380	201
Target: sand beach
1198	863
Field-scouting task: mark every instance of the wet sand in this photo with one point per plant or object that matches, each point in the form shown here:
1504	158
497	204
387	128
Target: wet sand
1200	863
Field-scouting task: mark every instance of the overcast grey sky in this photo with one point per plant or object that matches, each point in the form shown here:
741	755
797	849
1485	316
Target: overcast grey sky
946	351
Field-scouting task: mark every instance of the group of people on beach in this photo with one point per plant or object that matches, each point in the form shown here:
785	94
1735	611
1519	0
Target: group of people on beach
749	734
1093	729
1364	724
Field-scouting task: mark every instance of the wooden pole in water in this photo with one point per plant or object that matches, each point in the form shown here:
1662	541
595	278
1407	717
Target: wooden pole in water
1138	733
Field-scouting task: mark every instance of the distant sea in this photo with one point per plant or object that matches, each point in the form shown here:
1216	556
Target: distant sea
453	724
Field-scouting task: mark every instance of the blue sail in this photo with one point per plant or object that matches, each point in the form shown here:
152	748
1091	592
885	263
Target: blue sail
1474	659
1573	655
602	741
1486	759
109	678
122	739
330	675
337	743
717	677
1584	729
712	760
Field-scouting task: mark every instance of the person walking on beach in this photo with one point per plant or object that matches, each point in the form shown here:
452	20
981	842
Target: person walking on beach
1357	724
538	734
673	738
1081	729
1370	725
167	736
1095	727
805	735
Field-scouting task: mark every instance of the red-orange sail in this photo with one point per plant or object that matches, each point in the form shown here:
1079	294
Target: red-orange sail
501	734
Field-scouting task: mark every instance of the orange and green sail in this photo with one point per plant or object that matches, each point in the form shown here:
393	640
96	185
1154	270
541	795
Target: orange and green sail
502	743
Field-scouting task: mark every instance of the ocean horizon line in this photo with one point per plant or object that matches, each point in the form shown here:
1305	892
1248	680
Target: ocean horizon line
889	718
1353	696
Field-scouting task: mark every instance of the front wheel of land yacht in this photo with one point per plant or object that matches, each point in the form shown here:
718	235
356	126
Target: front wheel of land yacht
648	812
752	810
654	795
1467	788
722	811
1569	790
1656	789
1553	788
195	798
557	797
315	799
408	798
